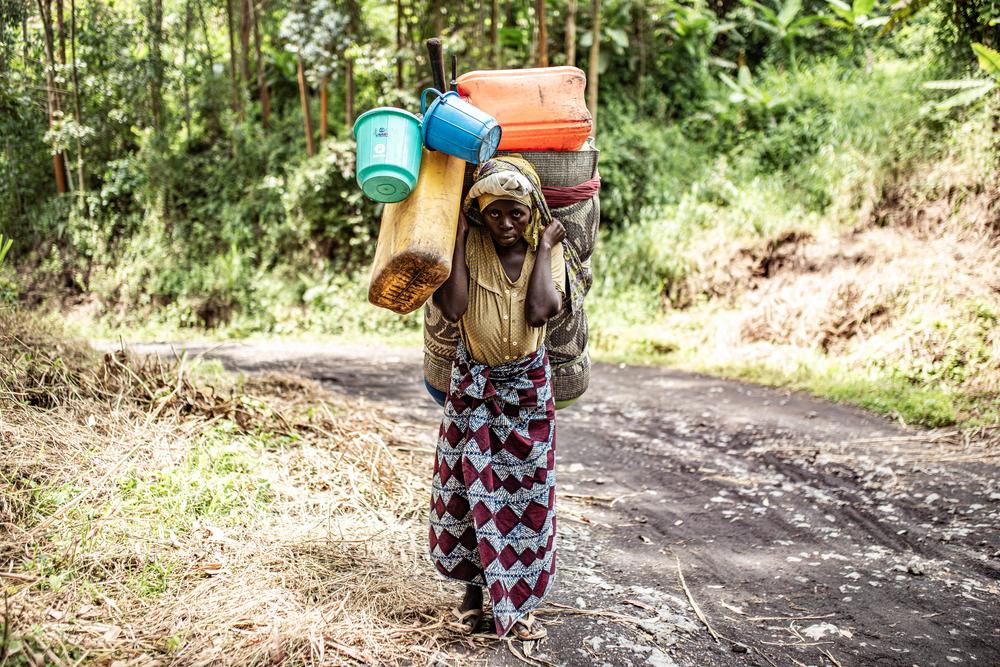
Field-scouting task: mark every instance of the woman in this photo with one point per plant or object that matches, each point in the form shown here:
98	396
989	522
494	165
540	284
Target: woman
492	521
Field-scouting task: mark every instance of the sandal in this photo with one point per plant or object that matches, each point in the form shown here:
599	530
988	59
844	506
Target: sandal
528	629
466	622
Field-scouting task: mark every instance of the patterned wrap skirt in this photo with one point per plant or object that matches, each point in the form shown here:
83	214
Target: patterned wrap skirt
492	517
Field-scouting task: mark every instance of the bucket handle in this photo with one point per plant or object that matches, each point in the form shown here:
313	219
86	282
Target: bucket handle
423	99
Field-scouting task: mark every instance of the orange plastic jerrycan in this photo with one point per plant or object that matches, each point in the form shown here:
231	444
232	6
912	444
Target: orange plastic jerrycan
540	109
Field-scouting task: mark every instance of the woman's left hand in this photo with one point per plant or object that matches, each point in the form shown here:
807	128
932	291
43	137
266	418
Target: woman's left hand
554	233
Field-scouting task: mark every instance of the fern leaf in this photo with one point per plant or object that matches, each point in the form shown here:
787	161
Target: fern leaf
989	59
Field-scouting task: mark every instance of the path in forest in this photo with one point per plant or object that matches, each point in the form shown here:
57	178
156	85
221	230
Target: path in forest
810	532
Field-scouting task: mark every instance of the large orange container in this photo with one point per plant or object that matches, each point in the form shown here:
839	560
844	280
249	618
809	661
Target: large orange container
540	109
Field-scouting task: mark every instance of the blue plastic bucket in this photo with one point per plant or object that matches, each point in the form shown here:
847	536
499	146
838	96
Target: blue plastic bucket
388	160
455	127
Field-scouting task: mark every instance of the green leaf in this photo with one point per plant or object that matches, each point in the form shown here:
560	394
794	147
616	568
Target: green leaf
989	59
842	10
765	25
789	11
766	11
964	98
862	7
722	62
726	79
5	247
809	20
586	39
956	84
875	22
903	13
746	81
618	37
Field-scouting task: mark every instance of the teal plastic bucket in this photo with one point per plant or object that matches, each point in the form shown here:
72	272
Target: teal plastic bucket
455	127
388	160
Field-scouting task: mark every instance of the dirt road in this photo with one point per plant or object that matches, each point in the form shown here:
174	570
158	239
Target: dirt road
808	533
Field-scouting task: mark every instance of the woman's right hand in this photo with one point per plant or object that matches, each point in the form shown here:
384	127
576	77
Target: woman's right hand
463	226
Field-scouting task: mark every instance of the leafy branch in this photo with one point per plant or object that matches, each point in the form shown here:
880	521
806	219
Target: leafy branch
783	20
5	247
855	16
971	90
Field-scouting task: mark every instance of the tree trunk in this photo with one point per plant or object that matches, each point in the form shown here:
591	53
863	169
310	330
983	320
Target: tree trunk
185	89
25	42
265	98
399	44
495	32
304	101
245	42
61	97
349	95
571	33
61	31
640	21
76	103
437	18
52	102
156	63
595	58
543	34
205	34
480	31
233	77
324	106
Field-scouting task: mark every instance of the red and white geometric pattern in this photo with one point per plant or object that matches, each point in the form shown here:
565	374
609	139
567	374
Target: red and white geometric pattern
492	516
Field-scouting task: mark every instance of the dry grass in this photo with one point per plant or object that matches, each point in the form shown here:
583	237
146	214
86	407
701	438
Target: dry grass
911	291
148	519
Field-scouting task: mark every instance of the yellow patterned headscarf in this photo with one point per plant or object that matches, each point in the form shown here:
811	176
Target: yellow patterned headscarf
510	177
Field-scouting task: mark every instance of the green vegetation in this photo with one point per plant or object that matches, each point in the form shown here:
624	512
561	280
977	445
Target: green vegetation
783	182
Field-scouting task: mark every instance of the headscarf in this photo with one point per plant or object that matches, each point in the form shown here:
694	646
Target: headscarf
514	178
509	177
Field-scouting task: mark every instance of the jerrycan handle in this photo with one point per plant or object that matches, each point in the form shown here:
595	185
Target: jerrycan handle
423	99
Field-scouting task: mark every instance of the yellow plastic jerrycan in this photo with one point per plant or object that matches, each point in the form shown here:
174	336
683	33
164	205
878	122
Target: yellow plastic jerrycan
416	239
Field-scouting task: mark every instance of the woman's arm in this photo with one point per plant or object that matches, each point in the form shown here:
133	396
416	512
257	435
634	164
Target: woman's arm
543	302
452	298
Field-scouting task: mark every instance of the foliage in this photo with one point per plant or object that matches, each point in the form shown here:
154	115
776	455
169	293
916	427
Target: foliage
972	89
856	16
744	92
783	20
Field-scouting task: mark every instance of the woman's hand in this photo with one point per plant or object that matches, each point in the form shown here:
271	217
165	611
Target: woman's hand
554	233
463	226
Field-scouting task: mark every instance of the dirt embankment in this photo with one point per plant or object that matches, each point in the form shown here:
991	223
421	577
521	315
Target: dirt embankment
911	290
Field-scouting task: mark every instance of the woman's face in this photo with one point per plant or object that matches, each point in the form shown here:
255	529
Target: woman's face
506	220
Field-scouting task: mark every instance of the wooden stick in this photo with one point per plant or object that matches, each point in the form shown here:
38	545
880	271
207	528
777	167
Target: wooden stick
831	658
694	605
756	619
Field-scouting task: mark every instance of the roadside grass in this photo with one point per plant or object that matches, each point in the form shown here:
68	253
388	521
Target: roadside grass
685	341
146	514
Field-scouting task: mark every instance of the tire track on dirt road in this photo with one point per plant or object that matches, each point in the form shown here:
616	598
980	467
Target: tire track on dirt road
809	532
